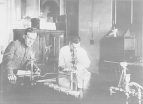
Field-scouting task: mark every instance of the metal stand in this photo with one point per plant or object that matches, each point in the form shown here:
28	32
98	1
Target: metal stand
125	84
73	88
37	73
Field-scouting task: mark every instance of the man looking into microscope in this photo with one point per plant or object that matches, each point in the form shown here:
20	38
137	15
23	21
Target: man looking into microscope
74	57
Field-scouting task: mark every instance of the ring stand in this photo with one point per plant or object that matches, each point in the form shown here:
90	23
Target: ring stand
124	84
33	74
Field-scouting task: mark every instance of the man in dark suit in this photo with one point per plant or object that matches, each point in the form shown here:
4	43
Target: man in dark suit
16	55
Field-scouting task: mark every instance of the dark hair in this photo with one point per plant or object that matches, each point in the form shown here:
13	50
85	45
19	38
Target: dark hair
75	39
31	30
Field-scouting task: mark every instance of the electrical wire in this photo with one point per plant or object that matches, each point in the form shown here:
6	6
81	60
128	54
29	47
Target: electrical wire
47	74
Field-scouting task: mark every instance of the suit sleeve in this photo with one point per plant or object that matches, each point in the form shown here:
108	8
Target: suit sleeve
8	55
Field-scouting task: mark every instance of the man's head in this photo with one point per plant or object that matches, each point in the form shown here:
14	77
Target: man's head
30	36
75	41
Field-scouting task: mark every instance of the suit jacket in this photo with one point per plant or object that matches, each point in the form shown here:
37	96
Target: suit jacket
15	56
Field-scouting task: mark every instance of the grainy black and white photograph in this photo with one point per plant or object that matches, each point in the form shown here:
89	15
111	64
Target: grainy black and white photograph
71	52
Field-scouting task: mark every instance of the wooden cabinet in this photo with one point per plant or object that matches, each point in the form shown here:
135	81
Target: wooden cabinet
47	45
50	43
117	49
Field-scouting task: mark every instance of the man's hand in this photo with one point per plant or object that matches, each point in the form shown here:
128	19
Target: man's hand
80	67
68	69
12	78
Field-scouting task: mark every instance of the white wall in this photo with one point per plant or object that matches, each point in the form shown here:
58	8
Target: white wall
32	8
8	17
11	18
3	26
100	16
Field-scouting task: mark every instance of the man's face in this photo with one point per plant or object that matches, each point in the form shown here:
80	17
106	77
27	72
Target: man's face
76	45
30	38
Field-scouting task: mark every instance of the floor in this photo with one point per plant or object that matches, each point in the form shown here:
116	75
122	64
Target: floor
41	94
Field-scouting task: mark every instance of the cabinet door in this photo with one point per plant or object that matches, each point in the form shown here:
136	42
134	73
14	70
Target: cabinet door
56	41
18	34
112	49
39	47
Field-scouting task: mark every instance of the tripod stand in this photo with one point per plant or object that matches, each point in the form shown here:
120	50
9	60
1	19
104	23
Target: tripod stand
32	66
125	84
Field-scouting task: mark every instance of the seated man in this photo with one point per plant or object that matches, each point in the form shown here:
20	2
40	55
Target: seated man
16	56
74	58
